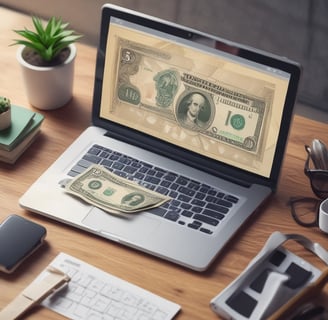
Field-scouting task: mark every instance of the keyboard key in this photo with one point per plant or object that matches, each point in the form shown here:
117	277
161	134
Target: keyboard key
204	189
144	170
205	230
187	191
187	213
184	198
210	199
174	186
94	151
77	170
152	180
217	208
213	214
173	194
72	173
162	190
114	157
200	195
197	209
170	177
175	203
206	219
84	163
185	206
107	163
165	183
158	211
231	198
212	192
194	185
124	160
92	158
159	173
129	169
182	181
195	225
199	203
172	215
104	154
223	203
139	176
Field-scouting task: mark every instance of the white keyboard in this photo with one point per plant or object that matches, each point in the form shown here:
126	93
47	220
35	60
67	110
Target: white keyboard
94	294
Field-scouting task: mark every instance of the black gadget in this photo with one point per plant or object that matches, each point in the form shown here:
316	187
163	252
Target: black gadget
19	238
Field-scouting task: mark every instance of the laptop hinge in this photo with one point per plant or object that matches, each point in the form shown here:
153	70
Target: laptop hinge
186	157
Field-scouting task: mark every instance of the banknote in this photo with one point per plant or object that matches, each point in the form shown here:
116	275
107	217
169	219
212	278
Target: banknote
105	190
152	79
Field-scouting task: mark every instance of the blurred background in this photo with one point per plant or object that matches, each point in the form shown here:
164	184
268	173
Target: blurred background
297	29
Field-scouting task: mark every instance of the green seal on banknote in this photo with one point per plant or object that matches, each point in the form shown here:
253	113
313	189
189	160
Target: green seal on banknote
237	121
95	184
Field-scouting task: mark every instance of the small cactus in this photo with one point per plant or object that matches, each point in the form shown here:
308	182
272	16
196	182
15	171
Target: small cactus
4	104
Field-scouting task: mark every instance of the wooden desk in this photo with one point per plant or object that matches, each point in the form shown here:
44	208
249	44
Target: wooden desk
191	290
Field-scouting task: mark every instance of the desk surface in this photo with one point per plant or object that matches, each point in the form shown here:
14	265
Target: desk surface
191	290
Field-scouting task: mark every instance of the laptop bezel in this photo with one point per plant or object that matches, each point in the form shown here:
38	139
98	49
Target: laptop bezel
174	152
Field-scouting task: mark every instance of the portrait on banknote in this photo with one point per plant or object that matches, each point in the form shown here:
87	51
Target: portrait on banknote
194	110
193	98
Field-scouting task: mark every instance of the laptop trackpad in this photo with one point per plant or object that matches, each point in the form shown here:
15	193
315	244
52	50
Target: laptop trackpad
129	226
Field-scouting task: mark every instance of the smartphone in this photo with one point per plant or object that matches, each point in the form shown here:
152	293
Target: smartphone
19	238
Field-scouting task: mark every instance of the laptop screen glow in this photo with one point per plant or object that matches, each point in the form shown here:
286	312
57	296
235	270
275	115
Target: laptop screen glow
193	95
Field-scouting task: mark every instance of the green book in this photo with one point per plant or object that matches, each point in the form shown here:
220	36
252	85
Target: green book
21	120
30	134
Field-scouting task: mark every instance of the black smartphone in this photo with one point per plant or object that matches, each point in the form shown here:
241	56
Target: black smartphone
19	238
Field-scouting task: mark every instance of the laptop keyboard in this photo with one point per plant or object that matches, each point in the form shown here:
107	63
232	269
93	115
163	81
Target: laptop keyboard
194	204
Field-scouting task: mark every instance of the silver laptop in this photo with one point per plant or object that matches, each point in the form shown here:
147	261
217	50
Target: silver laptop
186	114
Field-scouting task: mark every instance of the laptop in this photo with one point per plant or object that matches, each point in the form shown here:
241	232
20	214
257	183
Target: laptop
198	118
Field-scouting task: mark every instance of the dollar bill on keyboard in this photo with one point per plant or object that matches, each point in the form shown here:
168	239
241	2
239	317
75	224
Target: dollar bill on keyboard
107	191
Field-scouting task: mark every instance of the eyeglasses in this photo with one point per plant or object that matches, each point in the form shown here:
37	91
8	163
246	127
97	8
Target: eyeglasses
318	177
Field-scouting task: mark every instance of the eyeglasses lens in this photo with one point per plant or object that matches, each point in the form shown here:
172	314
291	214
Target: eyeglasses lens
305	211
319	183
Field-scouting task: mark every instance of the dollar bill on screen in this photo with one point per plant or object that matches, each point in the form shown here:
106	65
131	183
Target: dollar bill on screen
149	79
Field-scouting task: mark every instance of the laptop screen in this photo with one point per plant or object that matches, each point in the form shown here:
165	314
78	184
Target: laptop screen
194	92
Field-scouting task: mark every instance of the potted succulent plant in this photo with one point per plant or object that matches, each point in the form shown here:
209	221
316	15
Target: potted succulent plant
5	113
47	56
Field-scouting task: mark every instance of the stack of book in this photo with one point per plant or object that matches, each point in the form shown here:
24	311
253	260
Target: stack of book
25	126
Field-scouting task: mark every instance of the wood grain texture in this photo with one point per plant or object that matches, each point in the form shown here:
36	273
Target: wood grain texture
193	291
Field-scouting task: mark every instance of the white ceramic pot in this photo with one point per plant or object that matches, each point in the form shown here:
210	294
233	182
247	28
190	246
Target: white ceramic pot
48	88
5	120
